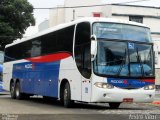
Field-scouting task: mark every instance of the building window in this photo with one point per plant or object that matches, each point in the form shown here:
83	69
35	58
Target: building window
138	19
96	14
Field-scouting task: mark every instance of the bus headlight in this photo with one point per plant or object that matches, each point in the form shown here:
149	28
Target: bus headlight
149	87
103	85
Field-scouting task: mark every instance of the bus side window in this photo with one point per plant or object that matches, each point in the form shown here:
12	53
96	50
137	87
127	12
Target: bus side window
36	47
65	39
49	43
82	49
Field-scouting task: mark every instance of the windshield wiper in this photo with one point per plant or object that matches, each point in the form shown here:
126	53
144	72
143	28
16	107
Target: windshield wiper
123	62
149	55
140	61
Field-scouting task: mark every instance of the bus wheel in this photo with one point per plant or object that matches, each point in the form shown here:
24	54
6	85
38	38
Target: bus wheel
19	95
114	105
67	96
12	90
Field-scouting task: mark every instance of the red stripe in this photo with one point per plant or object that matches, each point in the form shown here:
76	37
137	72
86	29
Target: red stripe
49	58
148	80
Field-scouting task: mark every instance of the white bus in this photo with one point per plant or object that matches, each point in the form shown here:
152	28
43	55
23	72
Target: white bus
93	60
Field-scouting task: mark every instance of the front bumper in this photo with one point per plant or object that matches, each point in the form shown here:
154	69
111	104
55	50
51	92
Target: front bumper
118	95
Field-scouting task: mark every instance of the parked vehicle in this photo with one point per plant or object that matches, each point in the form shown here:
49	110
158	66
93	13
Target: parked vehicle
89	60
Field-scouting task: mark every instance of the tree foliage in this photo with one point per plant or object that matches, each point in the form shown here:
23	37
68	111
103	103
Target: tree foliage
15	17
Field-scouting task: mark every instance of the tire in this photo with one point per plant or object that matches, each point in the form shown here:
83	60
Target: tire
12	90
114	105
18	93
67	96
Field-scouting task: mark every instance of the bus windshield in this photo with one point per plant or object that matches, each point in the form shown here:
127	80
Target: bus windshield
121	31
120	54
121	58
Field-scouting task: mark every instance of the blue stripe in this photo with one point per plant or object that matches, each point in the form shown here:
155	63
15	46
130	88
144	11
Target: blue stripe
127	83
35	77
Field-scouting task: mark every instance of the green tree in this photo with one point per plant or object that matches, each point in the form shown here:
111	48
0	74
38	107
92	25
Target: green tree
15	17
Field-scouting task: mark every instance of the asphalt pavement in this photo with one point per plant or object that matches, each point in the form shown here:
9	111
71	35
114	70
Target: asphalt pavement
37	108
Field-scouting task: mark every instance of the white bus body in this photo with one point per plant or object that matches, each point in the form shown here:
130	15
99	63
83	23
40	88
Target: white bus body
36	70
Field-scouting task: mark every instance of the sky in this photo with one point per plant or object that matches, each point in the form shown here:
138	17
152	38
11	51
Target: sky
41	15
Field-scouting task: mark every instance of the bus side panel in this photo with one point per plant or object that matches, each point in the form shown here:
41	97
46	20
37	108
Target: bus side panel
7	73
51	81
38	78
69	71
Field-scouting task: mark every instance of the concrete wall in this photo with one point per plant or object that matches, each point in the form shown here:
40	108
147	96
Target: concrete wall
121	17
56	16
81	12
157	58
153	23
144	11
149	15
157	53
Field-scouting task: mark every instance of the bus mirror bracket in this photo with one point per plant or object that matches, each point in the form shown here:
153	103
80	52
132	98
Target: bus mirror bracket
93	47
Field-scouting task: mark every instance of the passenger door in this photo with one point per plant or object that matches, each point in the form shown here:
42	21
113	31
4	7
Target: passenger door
83	58
86	73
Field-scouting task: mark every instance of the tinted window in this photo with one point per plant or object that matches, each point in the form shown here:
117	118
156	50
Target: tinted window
18	51
138	19
82	49
65	39
61	40
49	43
36	47
58	41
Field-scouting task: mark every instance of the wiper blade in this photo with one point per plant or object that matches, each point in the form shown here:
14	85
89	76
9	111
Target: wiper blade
123	62
140	61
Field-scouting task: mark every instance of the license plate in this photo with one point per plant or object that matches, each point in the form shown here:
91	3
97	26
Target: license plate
128	100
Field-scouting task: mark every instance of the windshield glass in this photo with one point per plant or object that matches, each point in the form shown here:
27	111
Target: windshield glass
121	32
122	58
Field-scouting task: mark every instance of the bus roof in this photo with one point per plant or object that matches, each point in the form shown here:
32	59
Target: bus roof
86	19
